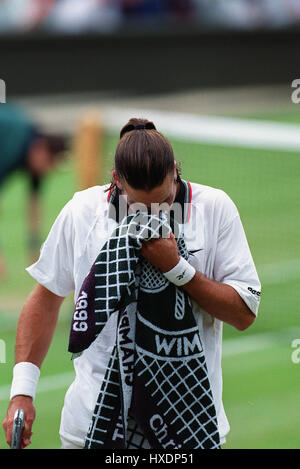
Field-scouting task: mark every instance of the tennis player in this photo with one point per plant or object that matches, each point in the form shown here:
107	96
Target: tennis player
222	282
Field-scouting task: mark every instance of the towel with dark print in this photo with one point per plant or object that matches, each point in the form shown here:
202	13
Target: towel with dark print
157	373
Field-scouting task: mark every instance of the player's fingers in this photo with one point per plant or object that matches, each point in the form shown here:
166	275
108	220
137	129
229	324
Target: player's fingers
26	441
8	423
27	430
7	426
172	239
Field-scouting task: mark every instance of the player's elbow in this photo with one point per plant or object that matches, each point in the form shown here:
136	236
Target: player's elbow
245	320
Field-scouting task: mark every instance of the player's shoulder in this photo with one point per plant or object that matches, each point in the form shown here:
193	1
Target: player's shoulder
216	201
208	193
88	203
90	198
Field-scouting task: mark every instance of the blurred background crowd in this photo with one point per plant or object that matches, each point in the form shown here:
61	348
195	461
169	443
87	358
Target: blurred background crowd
82	16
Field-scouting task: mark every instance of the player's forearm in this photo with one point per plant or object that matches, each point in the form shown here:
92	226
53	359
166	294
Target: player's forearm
220	300
36	326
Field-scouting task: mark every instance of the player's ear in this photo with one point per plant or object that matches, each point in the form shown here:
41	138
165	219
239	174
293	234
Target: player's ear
175	172
116	179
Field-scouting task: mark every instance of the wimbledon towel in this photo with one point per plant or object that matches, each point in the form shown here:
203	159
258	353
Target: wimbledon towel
157	373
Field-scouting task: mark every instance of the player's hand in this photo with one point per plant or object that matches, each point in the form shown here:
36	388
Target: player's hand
161	252
25	403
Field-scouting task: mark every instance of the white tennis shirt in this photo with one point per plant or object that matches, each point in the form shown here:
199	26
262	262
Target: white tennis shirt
219	249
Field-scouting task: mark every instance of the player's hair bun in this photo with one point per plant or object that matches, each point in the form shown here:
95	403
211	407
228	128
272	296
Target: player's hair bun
137	124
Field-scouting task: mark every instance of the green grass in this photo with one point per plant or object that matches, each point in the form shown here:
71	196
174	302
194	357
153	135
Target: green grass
261	399
261	388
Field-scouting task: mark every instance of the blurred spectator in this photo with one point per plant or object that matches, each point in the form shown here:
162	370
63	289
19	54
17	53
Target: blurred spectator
83	16
24	147
156	8
143	8
183	9
80	16
247	14
243	14
23	15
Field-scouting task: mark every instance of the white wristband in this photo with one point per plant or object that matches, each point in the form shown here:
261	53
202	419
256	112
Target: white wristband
25	379
181	274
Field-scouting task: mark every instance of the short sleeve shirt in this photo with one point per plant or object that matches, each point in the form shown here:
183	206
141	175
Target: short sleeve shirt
218	248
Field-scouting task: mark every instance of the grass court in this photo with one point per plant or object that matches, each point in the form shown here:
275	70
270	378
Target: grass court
261	382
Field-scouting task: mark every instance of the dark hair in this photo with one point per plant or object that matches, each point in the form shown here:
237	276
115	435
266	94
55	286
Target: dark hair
57	144
143	156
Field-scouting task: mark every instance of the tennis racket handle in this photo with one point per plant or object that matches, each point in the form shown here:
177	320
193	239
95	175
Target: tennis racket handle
19	419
